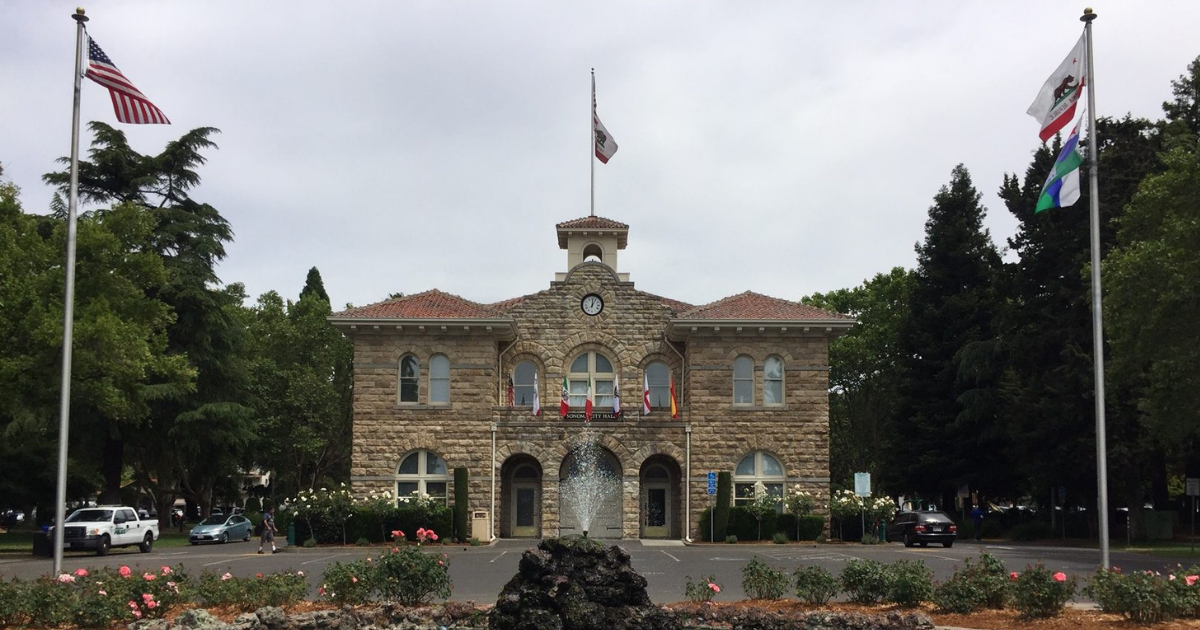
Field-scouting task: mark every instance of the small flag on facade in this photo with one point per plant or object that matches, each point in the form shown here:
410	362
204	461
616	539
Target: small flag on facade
587	403
645	394
511	393
1062	185
1055	104
537	397
565	404
129	103
674	408
616	395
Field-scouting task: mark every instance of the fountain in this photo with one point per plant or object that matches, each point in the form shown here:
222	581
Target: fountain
589	483
577	584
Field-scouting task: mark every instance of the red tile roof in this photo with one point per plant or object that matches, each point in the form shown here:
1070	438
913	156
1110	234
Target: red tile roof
756	306
592	223
432	304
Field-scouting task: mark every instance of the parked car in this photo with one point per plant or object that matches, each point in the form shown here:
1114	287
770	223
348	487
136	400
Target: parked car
922	528
107	526
221	529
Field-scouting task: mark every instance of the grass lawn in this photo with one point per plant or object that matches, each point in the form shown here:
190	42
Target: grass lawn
1166	549
20	541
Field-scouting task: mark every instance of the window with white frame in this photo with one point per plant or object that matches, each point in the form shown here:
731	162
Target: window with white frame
592	372
658	375
743	381
523	390
758	473
439	379
409	372
422	473
773	381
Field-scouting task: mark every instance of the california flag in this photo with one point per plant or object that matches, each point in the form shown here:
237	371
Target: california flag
1055	104
605	145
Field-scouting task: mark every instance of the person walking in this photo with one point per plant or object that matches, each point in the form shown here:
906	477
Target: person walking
268	532
977	518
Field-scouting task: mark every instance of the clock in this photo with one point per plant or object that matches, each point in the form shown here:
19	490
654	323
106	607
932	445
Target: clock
591	304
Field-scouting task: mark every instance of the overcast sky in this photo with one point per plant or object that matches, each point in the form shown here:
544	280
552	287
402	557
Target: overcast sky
781	147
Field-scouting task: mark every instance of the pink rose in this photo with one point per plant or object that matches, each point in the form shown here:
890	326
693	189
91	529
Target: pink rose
166	570
714	587
321	590
440	563
397	534
1013	576
1191	579
81	572
137	614
258	575
102	592
124	571
395	550
66	577
152	604
149	577
1171	577
354	579
433	535
226	577
1060	577
300	573
147	597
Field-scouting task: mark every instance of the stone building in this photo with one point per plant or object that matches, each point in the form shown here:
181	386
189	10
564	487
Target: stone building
441	382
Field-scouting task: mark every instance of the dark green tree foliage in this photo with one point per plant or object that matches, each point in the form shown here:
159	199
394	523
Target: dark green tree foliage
863	376
302	375
313	285
953	303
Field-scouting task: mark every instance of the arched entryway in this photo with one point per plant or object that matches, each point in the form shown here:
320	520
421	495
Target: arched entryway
521	498
659	498
590	492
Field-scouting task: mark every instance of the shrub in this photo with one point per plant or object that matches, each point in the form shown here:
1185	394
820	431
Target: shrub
702	591
460	504
721	509
409	577
475	542
1029	532
1141	596
865	581
731	540
807	527
760	581
815	584
909	583
362	542
349	583
1187	585
974	586
251	593
779	538
309	543
1038	593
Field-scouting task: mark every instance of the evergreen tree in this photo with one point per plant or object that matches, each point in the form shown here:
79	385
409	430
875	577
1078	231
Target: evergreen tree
939	445
314	286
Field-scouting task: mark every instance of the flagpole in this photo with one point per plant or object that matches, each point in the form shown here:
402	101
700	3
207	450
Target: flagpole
592	151
1097	311
64	412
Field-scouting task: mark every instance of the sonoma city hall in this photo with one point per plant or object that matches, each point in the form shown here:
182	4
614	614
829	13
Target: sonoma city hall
441	382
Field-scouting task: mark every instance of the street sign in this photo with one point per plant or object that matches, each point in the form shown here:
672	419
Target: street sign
1193	486
712	483
862	484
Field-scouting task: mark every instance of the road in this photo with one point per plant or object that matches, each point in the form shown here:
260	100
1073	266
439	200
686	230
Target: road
480	572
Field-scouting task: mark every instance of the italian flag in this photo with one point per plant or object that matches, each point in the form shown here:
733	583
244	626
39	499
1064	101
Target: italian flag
616	395
645	395
564	405
587	404
537	396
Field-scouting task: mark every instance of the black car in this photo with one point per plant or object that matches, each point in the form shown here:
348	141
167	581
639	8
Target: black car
923	528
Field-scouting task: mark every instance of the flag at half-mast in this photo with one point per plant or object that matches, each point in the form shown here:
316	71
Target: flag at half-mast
605	145
1062	185
1055	104
129	103
564	405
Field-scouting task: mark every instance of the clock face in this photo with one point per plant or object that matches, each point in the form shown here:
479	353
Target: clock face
592	304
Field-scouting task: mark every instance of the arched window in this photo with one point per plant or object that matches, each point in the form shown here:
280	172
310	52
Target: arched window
743	381
592	372
409	370
757	468
773	381
592	252
439	379
658	375
422	473
523	390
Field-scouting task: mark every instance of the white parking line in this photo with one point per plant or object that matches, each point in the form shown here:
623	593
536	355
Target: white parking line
669	556
340	555
497	557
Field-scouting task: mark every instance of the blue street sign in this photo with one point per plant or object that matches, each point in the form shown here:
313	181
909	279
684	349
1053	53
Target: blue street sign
712	483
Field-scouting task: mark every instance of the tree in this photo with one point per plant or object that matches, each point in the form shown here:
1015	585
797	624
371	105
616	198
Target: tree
952	304
863	371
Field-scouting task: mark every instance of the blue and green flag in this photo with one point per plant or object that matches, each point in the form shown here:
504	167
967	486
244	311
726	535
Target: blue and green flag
1062	186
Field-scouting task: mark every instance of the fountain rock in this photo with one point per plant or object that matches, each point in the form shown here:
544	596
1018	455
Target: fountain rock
577	584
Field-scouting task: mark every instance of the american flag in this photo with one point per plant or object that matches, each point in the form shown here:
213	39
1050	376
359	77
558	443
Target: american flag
130	104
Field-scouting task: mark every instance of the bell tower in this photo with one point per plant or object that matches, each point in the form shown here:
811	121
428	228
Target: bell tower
592	239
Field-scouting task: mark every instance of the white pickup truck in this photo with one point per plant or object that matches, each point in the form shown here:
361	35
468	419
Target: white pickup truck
106	526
